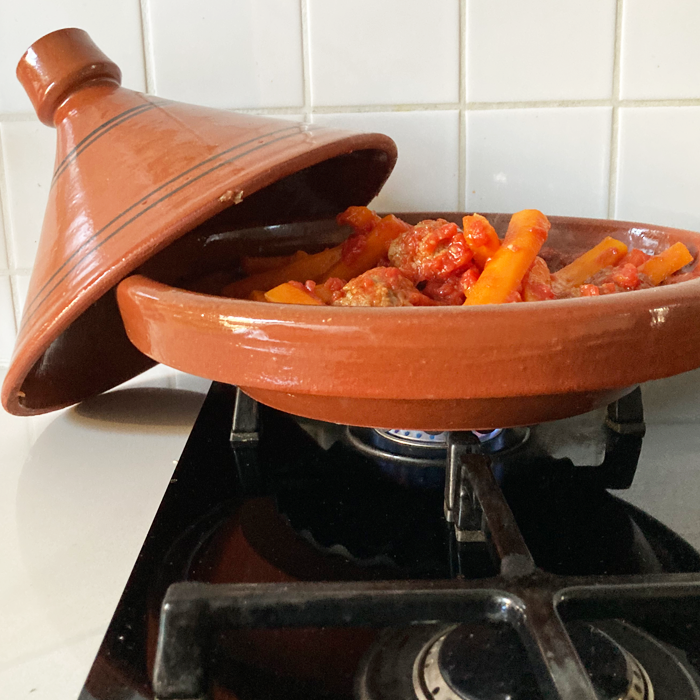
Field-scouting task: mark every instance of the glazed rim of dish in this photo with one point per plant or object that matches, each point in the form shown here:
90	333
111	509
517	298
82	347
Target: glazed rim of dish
521	349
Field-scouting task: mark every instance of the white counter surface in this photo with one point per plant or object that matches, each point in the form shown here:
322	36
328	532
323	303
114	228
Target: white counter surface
78	491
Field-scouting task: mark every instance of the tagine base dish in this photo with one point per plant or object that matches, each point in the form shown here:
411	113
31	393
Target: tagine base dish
437	368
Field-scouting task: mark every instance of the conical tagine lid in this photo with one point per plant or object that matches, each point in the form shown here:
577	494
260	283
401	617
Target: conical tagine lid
133	174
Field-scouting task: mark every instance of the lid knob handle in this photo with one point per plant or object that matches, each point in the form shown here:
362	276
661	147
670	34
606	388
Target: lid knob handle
59	63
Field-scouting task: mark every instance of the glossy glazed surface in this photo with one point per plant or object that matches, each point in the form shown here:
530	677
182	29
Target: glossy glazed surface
431	368
134	173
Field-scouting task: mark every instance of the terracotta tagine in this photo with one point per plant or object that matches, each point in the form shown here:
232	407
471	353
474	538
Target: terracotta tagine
159	198
134	173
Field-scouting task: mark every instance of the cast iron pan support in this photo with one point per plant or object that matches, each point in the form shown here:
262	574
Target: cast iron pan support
521	595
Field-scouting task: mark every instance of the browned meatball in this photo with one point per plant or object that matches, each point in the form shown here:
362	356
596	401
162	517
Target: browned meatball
430	250
380	286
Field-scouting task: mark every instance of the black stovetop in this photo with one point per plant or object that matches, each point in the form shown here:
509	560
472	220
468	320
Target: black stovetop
297	559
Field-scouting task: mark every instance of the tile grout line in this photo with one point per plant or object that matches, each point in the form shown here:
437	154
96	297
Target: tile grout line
474	106
147	44
305	59
428	107
462	126
615	125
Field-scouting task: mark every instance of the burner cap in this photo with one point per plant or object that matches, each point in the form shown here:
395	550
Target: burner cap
487	661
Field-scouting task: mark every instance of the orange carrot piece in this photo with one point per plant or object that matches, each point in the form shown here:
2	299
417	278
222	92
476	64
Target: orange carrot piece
663	265
537	283
503	274
481	238
362	219
292	294
252	265
608	252
373	249
310	267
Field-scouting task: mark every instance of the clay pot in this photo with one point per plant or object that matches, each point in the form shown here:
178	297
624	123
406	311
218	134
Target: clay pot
176	193
134	173
428	368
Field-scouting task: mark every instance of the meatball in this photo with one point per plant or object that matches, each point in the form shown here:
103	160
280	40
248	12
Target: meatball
453	290
430	250
380	286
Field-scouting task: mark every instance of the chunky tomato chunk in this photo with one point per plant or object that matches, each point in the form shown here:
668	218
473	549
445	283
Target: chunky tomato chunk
626	276
635	257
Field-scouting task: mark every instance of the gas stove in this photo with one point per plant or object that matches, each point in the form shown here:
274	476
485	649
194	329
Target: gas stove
292	558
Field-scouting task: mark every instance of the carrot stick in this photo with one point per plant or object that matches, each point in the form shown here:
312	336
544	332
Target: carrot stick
374	247
291	294
481	238
537	283
310	267
362	219
503	274
606	253
663	265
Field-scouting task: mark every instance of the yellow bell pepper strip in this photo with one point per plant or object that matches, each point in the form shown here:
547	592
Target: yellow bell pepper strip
663	265
504	272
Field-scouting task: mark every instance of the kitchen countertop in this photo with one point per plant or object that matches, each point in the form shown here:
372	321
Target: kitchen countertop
79	489
78	492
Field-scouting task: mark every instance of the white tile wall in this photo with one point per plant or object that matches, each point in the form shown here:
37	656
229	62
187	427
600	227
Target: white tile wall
428	142
29	149
514	160
3	240
7	317
115	26
227	54
589	107
539	50
659	171
660	50
390	52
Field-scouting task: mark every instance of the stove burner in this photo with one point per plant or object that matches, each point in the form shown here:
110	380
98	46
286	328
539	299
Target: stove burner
421	448
421	437
487	661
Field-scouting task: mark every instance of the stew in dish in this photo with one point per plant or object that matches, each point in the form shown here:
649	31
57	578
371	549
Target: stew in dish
387	262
